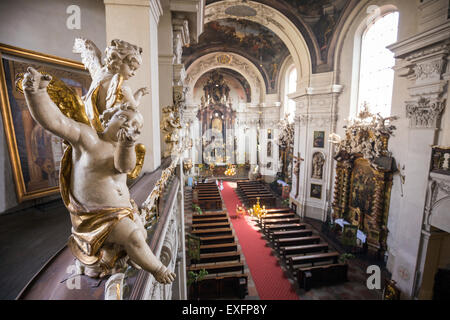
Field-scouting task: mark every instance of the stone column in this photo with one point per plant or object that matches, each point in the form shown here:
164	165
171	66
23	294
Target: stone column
315	112
136	21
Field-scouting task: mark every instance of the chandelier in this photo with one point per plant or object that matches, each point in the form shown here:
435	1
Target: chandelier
231	170
257	210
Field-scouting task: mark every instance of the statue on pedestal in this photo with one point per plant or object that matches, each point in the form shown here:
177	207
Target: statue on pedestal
100	132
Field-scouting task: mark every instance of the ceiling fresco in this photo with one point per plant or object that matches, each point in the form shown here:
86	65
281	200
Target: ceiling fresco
250	39
320	21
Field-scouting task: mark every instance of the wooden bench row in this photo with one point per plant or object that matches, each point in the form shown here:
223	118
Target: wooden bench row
250	191
306	257
219	256
207	196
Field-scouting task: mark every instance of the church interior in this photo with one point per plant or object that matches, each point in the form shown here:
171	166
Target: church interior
268	150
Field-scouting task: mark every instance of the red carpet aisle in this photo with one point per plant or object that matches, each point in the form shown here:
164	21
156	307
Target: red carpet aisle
268	276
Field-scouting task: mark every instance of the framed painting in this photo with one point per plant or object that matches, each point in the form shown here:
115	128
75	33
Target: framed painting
316	191
319	138
34	152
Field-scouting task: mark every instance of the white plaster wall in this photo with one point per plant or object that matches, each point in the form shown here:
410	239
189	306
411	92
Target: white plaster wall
41	26
138	24
409	147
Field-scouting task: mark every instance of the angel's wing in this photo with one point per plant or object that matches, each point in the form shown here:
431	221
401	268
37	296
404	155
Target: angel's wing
63	96
90	55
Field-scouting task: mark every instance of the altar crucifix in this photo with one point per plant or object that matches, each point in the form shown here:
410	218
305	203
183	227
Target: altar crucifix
297	162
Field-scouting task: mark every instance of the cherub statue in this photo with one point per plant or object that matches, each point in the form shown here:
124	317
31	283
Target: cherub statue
107	230
171	126
109	85
106	226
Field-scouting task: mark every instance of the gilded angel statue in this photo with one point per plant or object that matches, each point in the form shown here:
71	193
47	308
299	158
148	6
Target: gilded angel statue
100	130
109	81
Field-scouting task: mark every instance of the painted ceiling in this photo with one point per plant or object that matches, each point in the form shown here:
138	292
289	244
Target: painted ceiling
320	22
249	39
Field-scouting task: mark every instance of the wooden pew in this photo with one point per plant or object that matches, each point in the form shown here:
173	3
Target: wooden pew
219	247
270	228
211	220
198	226
285	234
208	203
212	232
209	214
311	277
306	238
277	216
287	252
219	257
267	222
220	287
296	261
218	267
217	239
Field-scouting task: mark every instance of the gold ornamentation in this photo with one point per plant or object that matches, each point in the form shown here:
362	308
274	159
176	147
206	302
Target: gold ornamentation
140	156
224	59
258	211
363	180
231	170
64	97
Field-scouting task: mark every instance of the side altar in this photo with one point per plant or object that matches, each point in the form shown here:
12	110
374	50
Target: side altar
363	182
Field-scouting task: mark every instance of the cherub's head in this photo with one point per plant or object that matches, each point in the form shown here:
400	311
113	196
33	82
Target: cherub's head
121	116
123	57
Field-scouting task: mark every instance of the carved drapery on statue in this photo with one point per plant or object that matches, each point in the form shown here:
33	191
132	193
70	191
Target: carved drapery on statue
286	149
363	182
217	121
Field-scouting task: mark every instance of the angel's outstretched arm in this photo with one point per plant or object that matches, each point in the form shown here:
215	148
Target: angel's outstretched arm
133	99
44	110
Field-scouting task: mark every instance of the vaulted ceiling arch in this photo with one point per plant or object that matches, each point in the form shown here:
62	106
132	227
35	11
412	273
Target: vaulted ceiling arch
273	20
226	60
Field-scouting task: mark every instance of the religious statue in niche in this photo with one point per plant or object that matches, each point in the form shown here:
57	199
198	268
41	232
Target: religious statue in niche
317	165
285	143
171	126
269	149
100	131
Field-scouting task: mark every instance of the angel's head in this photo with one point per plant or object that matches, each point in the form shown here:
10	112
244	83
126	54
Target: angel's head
123	58
121	116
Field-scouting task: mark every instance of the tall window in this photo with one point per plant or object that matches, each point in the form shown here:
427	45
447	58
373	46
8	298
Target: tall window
290	87
376	76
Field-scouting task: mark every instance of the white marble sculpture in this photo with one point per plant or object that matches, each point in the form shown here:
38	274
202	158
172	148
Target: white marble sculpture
107	228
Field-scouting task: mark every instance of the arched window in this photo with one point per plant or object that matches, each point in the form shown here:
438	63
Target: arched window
290	87
376	76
